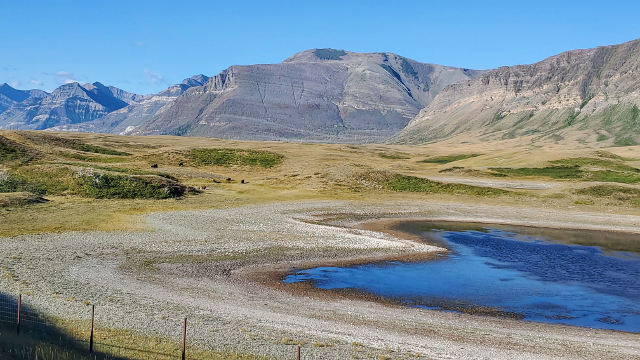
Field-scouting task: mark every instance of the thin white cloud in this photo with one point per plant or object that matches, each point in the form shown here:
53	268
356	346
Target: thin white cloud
36	82
153	78
139	43
65	77
64	74
15	83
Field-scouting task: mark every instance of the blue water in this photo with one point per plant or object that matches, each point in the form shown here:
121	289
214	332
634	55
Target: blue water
511	274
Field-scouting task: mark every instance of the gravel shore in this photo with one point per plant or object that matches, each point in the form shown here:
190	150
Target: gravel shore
209	266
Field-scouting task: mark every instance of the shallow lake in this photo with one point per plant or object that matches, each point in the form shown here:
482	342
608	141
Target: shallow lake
533	274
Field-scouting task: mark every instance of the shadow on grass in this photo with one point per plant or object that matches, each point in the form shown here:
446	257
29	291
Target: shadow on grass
38	338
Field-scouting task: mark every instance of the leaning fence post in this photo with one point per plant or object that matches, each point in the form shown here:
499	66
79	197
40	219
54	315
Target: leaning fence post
93	309
18	319
298	352
184	339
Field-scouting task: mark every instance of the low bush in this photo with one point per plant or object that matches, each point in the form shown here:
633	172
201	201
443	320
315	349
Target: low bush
608	190
43	180
554	172
448	158
226	157
107	186
62	180
393	156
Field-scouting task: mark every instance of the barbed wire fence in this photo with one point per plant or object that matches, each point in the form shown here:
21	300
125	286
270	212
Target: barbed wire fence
86	334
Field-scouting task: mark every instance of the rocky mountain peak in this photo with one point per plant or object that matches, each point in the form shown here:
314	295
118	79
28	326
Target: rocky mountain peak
13	94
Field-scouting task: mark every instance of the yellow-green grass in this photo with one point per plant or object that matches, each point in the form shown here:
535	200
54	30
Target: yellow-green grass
307	172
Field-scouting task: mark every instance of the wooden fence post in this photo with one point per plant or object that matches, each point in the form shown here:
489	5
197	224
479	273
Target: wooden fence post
298	352
19	308
93	308
184	339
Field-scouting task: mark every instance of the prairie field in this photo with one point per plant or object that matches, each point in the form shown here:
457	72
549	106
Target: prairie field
153	229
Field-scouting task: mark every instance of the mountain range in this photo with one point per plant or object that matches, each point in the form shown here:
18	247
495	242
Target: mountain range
579	96
327	95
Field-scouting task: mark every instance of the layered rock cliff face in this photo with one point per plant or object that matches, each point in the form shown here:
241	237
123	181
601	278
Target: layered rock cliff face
317	95
69	104
583	95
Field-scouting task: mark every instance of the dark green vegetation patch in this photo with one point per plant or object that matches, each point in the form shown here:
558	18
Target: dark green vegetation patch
329	54
393	156
63	180
398	182
623	120
622	193
70	144
583	168
449	158
12	151
226	157
554	172
97	159
106	186
40	180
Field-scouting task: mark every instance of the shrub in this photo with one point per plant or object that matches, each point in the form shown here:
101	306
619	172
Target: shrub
106	186
554	172
226	157
608	190
392	156
398	182
448	158
44	180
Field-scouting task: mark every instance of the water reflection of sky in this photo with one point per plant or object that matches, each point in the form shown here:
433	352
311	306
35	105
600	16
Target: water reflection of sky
541	280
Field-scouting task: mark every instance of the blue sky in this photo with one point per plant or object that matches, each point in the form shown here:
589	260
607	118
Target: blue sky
144	46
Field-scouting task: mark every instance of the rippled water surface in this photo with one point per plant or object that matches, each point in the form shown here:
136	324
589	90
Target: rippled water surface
502	271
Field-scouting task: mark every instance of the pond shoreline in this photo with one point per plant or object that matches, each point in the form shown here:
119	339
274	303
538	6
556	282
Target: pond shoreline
410	229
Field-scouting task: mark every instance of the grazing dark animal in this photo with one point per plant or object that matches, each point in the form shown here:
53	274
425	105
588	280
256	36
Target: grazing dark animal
242	181
228	179
154	166
216	181
181	164
204	188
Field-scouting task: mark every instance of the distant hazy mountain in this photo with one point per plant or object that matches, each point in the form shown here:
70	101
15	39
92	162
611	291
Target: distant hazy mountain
316	95
127	119
583	95
10	96
69	104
